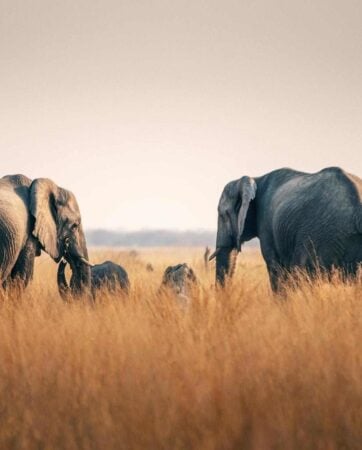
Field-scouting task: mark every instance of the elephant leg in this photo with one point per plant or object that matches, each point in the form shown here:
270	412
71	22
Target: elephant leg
277	277
23	270
275	270
352	259
9	254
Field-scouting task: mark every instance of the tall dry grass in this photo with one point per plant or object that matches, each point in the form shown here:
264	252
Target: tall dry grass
240	370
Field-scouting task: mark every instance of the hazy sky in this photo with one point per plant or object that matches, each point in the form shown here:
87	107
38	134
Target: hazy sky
145	109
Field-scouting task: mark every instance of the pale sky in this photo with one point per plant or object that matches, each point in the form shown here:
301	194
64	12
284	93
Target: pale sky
146	109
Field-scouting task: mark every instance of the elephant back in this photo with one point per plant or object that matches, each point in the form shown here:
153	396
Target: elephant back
17	180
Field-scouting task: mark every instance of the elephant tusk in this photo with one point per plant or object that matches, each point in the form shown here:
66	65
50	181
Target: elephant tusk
216	252
87	263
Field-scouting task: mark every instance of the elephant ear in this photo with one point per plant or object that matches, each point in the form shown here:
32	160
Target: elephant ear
43	193
247	193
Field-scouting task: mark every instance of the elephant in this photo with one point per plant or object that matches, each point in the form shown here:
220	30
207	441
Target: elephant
179	279
38	215
106	275
308	221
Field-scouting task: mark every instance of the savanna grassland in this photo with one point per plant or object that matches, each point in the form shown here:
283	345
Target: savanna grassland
240	369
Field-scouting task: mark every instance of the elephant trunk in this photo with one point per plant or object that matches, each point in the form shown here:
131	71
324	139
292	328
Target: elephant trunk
77	256
223	265
63	286
225	251
80	282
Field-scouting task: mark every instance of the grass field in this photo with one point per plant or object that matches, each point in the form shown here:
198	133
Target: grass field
240	369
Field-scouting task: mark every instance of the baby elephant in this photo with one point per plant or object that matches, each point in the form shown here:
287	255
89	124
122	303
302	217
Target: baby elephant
107	275
180	279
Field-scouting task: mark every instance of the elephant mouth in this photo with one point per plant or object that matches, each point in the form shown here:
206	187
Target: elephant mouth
58	259
72	257
79	261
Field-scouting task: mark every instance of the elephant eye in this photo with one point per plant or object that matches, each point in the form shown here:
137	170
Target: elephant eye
74	226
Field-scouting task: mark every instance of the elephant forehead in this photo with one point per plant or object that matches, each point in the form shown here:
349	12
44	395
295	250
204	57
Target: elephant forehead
69	214
67	218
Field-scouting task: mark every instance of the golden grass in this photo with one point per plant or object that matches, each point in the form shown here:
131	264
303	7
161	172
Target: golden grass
240	370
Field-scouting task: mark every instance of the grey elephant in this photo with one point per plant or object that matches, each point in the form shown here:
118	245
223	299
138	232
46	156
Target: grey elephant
307	221
179	279
108	275
38	215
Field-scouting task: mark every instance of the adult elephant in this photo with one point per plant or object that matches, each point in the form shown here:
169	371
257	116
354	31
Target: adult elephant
39	215
303	220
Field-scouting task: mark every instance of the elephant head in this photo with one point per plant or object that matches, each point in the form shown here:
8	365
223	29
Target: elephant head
58	228
235	224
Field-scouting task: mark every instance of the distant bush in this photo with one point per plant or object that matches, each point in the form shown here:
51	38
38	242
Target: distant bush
153	238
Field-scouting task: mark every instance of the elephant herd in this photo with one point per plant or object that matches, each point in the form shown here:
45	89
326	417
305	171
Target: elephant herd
303	221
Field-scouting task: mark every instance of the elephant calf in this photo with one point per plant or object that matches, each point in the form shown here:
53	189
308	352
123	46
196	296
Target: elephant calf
107	275
179	279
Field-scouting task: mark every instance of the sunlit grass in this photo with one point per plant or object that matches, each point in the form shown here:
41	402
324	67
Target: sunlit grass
240	369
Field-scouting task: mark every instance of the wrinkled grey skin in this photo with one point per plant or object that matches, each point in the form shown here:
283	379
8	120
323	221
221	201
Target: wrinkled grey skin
34	216
179	279
307	221
106	275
